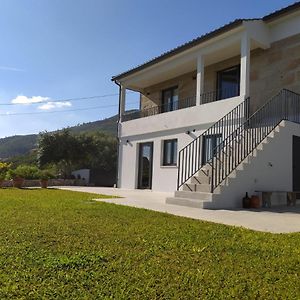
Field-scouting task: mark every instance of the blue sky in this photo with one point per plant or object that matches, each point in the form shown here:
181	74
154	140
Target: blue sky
61	49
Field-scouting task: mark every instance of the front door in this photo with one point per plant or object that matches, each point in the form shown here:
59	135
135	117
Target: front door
145	165
210	142
296	163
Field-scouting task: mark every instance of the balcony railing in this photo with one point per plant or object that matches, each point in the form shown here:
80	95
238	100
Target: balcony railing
182	103
219	95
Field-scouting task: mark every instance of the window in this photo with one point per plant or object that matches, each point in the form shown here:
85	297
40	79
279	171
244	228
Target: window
210	142
170	152
170	99
228	83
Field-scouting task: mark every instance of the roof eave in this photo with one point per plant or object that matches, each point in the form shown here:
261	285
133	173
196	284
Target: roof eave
182	48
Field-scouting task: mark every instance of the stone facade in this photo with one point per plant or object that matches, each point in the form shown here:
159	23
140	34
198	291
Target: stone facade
274	69
186	89
270	71
186	84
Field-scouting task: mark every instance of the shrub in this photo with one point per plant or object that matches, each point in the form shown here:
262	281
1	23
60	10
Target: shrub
24	171
46	174
4	167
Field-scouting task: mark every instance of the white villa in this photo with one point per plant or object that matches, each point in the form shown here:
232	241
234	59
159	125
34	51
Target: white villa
219	116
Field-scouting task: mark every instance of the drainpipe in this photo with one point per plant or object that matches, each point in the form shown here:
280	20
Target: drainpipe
118	140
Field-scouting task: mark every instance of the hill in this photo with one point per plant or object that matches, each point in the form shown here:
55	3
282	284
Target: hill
19	145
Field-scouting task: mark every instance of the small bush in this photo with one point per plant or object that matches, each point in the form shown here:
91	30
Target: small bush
4	167
46	174
24	171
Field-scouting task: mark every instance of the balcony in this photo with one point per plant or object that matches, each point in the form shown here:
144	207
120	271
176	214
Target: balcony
205	98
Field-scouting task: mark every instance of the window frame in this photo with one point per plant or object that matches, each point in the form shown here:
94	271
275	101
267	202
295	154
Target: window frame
173	163
219	90
163	104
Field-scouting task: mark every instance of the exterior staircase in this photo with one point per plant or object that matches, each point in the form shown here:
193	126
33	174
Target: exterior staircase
205	187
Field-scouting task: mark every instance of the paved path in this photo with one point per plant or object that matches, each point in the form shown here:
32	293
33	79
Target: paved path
282	220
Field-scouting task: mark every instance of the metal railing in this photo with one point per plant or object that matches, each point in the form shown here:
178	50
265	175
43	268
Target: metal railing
190	158
182	103
242	141
219	94
175	105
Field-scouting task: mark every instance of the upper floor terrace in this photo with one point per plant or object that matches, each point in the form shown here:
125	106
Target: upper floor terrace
199	81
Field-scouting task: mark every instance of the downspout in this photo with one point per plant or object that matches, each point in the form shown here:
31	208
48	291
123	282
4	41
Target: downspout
118	139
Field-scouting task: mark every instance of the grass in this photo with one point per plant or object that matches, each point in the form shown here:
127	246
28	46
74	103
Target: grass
62	245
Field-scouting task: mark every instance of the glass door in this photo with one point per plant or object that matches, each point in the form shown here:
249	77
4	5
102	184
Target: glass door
228	83
145	165
170	99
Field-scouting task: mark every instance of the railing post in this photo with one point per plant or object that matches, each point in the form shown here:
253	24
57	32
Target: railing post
212	175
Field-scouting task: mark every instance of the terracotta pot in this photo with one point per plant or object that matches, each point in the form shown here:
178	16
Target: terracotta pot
246	201
44	183
18	182
255	202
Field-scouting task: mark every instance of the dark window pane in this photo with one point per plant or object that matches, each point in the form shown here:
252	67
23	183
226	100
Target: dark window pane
170	152
210	142
170	99
228	83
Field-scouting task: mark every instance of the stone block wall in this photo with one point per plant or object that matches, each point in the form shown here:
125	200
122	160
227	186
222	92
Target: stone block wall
274	69
152	95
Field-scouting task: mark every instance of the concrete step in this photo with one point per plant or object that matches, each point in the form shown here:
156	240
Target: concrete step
205	170
202	179
194	195
185	202
196	187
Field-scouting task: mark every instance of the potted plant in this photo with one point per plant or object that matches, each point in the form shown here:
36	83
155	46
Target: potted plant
45	175
17	179
21	173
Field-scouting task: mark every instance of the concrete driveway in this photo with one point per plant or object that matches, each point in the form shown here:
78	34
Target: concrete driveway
275	220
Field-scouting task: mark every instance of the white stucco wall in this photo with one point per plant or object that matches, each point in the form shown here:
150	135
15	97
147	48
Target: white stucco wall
201	116
270	170
171	125
164	178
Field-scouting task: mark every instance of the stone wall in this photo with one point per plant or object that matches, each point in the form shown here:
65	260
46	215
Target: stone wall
51	182
274	69
186	88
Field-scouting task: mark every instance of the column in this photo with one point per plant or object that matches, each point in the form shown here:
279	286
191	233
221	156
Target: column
199	78
245	66
122	99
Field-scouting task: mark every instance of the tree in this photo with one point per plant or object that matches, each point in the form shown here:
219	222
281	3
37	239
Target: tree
68	151
61	148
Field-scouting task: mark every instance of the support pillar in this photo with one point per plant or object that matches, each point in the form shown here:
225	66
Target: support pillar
199	79
122	101
245	66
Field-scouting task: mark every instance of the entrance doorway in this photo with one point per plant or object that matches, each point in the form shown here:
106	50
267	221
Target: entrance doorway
145	165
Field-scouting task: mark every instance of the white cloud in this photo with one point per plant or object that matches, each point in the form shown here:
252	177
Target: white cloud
5	68
28	100
51	105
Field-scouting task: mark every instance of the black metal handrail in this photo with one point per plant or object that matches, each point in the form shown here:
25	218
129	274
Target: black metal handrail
155	110
219	94
242	141
190	158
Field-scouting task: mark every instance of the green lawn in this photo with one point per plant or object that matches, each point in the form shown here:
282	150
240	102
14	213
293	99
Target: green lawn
62	245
